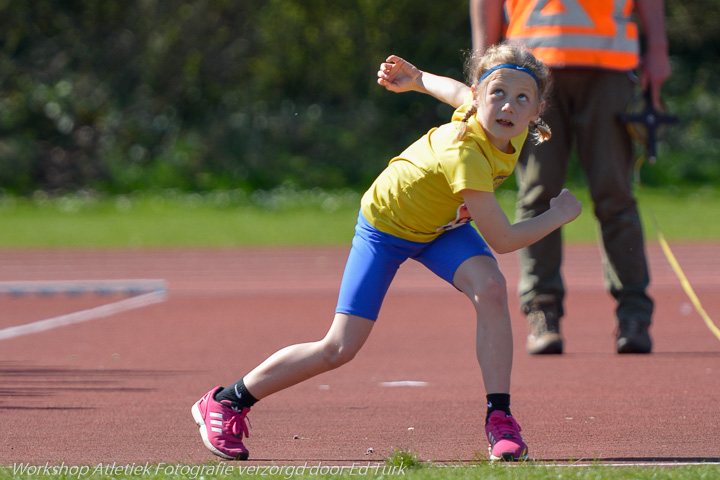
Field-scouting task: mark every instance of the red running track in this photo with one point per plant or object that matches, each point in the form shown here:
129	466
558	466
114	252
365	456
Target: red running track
119	389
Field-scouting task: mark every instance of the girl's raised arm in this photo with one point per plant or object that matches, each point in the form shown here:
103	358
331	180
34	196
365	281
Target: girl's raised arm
398	75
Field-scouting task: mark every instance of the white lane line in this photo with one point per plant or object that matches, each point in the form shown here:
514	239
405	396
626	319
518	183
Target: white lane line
404	383
84	315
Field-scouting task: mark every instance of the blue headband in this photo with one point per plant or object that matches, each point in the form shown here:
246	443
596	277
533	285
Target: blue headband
513	67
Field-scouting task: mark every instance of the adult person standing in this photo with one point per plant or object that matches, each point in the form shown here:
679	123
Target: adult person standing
592	48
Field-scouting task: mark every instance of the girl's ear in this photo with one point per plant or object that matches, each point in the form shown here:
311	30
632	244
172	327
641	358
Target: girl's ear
475	93
540	109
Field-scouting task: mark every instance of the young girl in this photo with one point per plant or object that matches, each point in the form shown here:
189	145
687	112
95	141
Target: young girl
420	207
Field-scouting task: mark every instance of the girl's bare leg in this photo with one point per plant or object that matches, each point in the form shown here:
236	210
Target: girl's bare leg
297	363
481	280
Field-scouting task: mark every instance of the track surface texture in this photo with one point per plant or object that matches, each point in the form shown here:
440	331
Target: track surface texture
119	388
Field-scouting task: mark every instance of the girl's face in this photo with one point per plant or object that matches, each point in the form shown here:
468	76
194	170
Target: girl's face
506	105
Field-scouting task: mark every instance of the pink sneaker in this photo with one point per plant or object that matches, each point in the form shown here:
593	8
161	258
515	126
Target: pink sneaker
221	426
503	433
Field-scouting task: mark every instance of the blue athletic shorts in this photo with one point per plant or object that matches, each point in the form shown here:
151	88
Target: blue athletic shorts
376	256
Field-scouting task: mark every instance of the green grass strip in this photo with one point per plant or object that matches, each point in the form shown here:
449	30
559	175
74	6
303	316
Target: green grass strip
280	218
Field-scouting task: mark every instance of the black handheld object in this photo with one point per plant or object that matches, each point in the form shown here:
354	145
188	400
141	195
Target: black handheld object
644	125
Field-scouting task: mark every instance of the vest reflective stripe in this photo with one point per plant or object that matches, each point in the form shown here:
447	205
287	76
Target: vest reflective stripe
576	33
613	44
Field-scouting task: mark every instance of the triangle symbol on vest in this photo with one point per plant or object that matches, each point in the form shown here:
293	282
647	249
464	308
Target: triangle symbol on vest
566	13
554	7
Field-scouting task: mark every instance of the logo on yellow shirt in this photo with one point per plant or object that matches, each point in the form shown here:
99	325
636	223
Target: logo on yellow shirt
498	180
461	218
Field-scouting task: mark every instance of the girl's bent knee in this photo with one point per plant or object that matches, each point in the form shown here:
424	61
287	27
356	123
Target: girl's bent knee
337	355
492	288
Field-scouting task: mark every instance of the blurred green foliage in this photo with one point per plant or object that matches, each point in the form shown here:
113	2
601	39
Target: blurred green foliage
197	95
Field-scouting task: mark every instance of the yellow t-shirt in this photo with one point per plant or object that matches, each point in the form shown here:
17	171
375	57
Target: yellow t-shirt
418	195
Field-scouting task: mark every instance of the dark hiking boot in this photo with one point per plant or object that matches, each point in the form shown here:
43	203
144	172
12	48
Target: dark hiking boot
633	336
543	318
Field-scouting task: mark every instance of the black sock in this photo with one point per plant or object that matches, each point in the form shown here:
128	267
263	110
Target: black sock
237	394
497	401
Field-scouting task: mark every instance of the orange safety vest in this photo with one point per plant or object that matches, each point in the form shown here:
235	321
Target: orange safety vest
576	33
